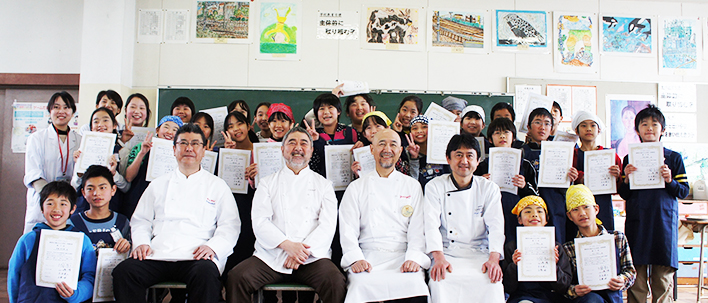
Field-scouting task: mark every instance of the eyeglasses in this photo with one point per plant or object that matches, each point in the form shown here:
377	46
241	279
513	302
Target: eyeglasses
193	144
539	123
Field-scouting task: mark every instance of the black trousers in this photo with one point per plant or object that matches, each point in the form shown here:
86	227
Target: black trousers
131	279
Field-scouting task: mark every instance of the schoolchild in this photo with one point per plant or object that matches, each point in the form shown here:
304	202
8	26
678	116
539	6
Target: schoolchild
109	99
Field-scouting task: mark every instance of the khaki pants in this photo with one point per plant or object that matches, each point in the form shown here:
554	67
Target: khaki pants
661	281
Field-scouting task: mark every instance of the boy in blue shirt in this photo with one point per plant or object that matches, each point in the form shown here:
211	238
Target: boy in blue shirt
57	202
652	215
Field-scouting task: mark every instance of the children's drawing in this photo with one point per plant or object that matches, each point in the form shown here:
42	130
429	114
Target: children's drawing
278	32
457	29
521	28
626	35
679	45
222	19
575	40
387	25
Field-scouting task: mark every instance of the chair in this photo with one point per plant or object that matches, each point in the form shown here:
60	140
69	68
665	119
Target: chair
168	285
282	287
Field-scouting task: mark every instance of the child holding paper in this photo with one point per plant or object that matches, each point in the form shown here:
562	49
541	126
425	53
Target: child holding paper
582	211
357	107
137	114
652	214
588	126
57	202
532	211
417	148
109	99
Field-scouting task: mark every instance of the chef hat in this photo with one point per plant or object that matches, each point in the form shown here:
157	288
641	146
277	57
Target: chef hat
579	195
453	103
175	119
474	108
379	114
420	119
526	201
583	116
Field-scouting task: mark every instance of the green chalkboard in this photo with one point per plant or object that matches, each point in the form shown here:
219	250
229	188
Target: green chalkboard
301	100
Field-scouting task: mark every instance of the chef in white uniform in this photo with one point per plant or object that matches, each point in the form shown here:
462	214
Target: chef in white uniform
294	217
464	229
381	225
185	226
49	156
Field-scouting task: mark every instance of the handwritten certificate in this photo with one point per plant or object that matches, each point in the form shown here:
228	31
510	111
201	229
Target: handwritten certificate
437	112
218	114
366	159
595	259
648	159
439	134
209	161
538	261
597	175
338	165
108	259
504	164
232	168
96	149
556	161
59	258
139	135
162	159
534	101
269	158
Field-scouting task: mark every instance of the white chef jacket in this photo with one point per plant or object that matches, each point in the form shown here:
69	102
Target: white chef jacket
176	214
373	227
43	160
299	208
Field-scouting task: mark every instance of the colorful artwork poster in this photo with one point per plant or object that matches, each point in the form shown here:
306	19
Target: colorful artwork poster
457	31
623	109
695	159
679	46
222	20
521	30
626	35
393	28
279	28
576	43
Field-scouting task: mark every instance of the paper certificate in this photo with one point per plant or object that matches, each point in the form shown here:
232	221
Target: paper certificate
139	135
366	159
218	114
439	134
504	164
96	149
269	158
209	161
595	259
439	113
534	101
162	159
648	159
108	259
232	168
59	258
562	136
597	171
538	261
338	165
482	146
556	161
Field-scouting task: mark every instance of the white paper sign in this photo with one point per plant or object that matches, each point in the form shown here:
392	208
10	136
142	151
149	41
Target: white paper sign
521	98
337	25
351	88
504	164
96	149
482	148
218	114
269	158
439	134
680	127
108	259
563	95
556	160
597	171
538	262
595	259
176	26
677	97
209	161
648	159
232	168
338	165
562	136
59	258
162	159
584	99
139	135
150	25
366	160
534	101
439	113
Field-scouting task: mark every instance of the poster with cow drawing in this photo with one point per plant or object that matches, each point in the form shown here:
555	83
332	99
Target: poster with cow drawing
392	28
522	31
458	31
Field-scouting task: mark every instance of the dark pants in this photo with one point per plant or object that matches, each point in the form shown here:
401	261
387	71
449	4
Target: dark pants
251	274
131	279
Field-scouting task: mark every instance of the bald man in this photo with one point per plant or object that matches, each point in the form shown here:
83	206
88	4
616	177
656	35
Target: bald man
381	227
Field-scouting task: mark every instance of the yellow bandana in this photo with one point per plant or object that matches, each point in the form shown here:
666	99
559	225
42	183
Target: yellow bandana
379	114
526	201
579	195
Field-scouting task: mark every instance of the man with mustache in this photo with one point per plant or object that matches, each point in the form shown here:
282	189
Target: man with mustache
464	229
381	229
294	217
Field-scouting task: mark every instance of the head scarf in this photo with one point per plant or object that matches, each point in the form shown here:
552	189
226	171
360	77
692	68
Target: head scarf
474	108
379	114
526	201
453	103
175	119
420	119
583	116
579	195
282	108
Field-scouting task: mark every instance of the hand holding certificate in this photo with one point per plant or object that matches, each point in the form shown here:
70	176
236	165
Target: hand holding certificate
218	114
59	258
439	113
108	259
162	159
597	171
209	161
366	160
595	258
232	168
96	149
439	134
504	164
647	158
269	158
556	160
338	163
538	261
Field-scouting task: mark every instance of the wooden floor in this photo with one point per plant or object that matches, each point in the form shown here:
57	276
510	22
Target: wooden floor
687	294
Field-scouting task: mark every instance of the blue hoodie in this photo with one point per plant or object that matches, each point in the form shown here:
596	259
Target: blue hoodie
21	285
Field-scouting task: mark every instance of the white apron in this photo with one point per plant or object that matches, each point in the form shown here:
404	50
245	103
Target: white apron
466	281
385	281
